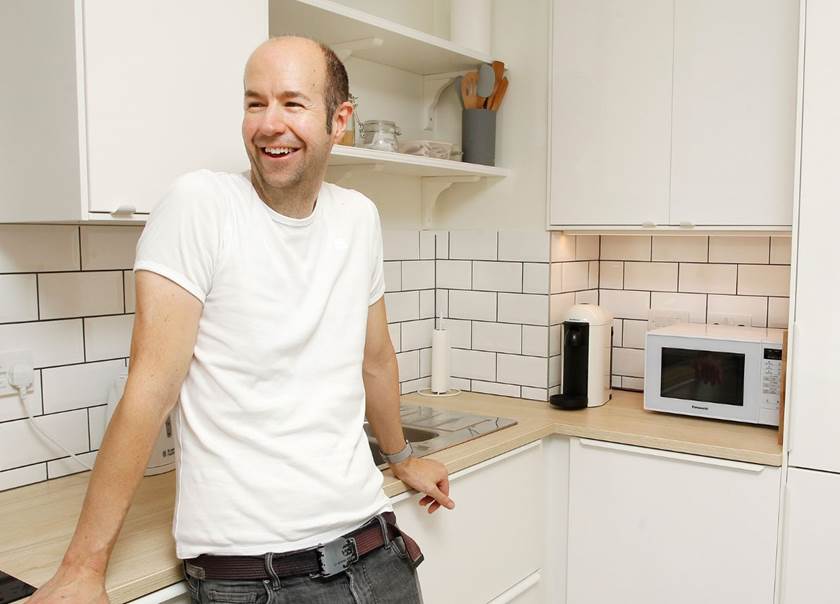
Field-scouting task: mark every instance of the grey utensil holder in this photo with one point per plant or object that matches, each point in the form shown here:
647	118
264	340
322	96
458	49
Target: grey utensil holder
478	136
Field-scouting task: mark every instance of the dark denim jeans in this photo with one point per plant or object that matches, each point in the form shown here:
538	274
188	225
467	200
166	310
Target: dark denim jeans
383	576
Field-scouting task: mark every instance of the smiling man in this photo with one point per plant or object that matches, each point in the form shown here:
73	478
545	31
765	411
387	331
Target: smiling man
260	309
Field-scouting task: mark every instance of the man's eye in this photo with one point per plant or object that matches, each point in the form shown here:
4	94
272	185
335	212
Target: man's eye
253	105
293	104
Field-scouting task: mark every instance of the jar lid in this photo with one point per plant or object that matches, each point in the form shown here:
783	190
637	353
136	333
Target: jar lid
374	124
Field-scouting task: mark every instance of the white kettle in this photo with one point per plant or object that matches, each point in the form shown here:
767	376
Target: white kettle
162	458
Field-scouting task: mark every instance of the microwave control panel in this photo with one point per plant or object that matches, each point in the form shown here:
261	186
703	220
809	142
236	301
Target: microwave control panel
771	383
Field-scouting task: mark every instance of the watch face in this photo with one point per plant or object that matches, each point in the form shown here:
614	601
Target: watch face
12	588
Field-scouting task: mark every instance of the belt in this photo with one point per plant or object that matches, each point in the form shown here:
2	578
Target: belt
323	560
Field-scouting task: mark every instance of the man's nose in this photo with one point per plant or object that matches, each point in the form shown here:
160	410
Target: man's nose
274	120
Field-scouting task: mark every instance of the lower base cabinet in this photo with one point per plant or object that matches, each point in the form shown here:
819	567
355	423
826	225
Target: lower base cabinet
654	527
491	541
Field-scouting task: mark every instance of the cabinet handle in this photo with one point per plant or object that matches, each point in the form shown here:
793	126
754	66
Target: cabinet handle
686	225
695	459
122	210
649	224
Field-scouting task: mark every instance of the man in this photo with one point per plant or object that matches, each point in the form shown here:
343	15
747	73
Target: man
259	302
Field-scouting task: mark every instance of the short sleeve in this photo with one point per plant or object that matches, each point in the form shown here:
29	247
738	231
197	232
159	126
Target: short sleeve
182	239
377	270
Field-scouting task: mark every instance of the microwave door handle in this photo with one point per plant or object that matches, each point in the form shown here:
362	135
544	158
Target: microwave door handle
690	458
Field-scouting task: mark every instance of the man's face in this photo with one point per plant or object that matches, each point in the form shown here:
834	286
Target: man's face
284	126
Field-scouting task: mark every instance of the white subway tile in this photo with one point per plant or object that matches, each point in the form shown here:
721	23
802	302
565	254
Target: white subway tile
708	278
634	334
594	274
473	245
523	308
417	334
617	332
744	250
51	342
625	304
10	408
555	370
393	276
556	277
562	247
19	300
418	275
554	339
427	245
681	248
454	274
496	388
559	305
130	293
625	247
778	310
109	247
460	333
414	385
473	364
657	276
21	445
394	332
534	394
78	386
480	306
587	247
64	295
497	337
755	307
574	276
460	383
68	465
629	361
401	245
535	279
442	245
780	250
409	365
694	304
108	337
632	383
27	248
612	275
11	479
764	280
427	303
402	306
497	276
98	421
425	362
524	246
525	371
534	341
589	296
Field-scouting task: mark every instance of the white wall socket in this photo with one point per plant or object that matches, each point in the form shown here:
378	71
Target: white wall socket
663	318
722	318
9	358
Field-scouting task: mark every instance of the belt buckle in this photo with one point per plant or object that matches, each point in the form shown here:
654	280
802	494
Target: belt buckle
334	557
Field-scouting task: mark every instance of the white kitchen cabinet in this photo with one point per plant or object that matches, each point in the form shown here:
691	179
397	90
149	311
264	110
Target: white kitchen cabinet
610	111
732	157
655	527
494	537
811	535
814	380
114	99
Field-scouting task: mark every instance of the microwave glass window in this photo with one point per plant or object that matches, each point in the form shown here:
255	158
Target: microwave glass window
703	375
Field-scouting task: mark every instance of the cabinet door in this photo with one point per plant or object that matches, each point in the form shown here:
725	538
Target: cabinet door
163	93
653	527
735	65
491	540
812	532
610	112
814	413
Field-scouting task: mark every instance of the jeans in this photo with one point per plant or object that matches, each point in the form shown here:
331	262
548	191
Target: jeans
383	576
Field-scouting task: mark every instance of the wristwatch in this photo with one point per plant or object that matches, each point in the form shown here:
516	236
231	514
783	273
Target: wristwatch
399	456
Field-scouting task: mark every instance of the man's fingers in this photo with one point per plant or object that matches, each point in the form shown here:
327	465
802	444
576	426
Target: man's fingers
441	498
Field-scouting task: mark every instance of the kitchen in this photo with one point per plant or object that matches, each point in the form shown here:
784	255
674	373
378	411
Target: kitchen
678	221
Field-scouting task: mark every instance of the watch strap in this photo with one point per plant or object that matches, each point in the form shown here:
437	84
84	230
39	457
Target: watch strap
399	456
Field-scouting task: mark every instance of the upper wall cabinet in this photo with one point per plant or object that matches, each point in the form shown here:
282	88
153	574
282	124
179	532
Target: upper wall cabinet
673	113
108	101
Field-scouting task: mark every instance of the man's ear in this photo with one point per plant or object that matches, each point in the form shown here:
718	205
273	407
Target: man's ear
340	119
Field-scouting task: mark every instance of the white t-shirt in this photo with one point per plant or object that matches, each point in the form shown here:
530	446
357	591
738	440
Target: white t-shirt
272	453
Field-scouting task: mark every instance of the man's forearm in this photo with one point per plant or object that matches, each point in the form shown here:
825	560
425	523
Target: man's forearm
382	391
120	464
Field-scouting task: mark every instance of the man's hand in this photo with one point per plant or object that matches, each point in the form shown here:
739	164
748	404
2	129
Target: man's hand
77	585
426	476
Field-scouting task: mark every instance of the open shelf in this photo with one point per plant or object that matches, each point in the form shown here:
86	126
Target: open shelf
402	47
410	165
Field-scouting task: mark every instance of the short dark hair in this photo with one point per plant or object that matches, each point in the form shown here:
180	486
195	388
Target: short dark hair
336	84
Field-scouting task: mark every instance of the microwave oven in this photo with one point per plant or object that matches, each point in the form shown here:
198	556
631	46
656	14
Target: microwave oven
715	371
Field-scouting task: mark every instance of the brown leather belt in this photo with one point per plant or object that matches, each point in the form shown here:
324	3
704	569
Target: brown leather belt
320	561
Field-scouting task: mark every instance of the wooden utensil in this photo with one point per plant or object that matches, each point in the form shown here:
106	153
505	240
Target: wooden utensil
469	90
496	100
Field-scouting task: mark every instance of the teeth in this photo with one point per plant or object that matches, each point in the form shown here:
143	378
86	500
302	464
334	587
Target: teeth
278	150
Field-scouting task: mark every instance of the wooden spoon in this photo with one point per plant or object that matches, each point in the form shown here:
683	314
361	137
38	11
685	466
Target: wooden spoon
496	99
469	90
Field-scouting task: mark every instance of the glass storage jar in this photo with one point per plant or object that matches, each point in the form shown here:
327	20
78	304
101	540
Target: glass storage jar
380	135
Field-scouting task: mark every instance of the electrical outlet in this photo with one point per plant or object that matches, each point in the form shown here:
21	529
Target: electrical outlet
663	318
722	318
9	358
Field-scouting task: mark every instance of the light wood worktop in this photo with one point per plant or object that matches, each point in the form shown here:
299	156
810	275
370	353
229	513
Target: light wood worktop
37	521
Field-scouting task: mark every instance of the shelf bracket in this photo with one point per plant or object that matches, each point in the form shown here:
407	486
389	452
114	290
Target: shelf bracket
341	174
432	107
430	189
345	50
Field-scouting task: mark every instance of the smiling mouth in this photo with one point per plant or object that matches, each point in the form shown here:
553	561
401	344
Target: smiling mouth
278	152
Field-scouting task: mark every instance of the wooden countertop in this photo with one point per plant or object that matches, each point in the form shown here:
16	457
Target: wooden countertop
37	521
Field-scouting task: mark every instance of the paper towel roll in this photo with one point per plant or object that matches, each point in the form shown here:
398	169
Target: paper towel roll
440	361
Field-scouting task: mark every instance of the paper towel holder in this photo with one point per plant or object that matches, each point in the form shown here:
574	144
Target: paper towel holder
439	386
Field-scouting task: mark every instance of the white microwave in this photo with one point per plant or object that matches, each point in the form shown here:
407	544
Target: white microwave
715	371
